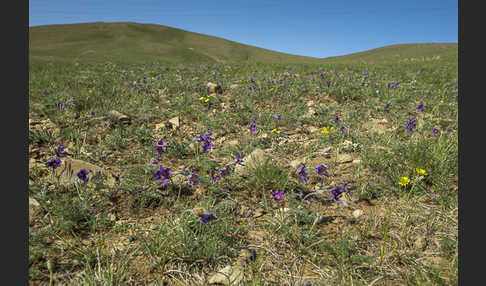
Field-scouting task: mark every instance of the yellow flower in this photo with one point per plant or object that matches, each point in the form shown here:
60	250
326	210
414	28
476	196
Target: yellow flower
421	171
272	89
441	101
324	130
207	99
404	181
275	130
90	91
332	128
201	98
134	101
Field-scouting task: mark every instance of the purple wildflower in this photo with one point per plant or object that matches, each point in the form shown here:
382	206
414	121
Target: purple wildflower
337	120
302	173
193	179
73	102
238	159
60	151
252	127
335	192
277	116
163	174
278	196
54	163
206	138
328	84
251	89
411	124
160	147
321	170
420	107
436	131
63	106
234	106
207	217
215	175
454	86
342	128
83	175
386	106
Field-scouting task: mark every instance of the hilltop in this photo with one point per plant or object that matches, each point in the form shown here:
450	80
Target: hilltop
135	43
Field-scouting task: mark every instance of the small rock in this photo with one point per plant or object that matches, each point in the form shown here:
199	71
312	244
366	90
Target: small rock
357	213
175	122
230	275
214	88
234	86
253	160
344	158
120	117
357	161
70	167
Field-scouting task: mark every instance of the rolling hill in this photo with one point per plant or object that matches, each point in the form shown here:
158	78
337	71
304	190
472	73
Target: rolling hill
134	42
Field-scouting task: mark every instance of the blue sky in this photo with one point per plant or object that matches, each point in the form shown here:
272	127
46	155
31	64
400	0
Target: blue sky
309	28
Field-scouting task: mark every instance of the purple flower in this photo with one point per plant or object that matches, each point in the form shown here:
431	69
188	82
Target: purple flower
251	79
207	217
328	84
420	107
251	89
335	192
321	170
60	151
302	173
193	179
411	124
454	86
63	106
54	163
238	159
342	128
160	147
436	131
163	174
337	119
215	175
277	116
73	102
321	75
252	127
83	175
386	106
206	138
278	196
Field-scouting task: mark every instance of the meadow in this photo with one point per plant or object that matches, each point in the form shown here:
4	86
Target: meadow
338	173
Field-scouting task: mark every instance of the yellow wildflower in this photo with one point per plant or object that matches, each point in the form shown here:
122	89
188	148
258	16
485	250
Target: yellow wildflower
324	130
275	130
441	101
332	128
207	99
421	171
201	98
90	91
404	181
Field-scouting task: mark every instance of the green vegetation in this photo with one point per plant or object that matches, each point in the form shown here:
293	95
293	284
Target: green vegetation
384	121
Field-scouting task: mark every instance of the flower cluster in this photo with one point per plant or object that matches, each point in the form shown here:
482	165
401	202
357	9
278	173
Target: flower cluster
207	141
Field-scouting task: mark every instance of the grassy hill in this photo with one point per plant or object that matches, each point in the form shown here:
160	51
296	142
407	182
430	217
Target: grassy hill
133	42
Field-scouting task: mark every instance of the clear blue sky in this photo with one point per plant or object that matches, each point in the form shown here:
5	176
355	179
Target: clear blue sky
309	28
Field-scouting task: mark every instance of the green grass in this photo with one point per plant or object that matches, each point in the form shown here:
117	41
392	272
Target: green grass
139	231
123	42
